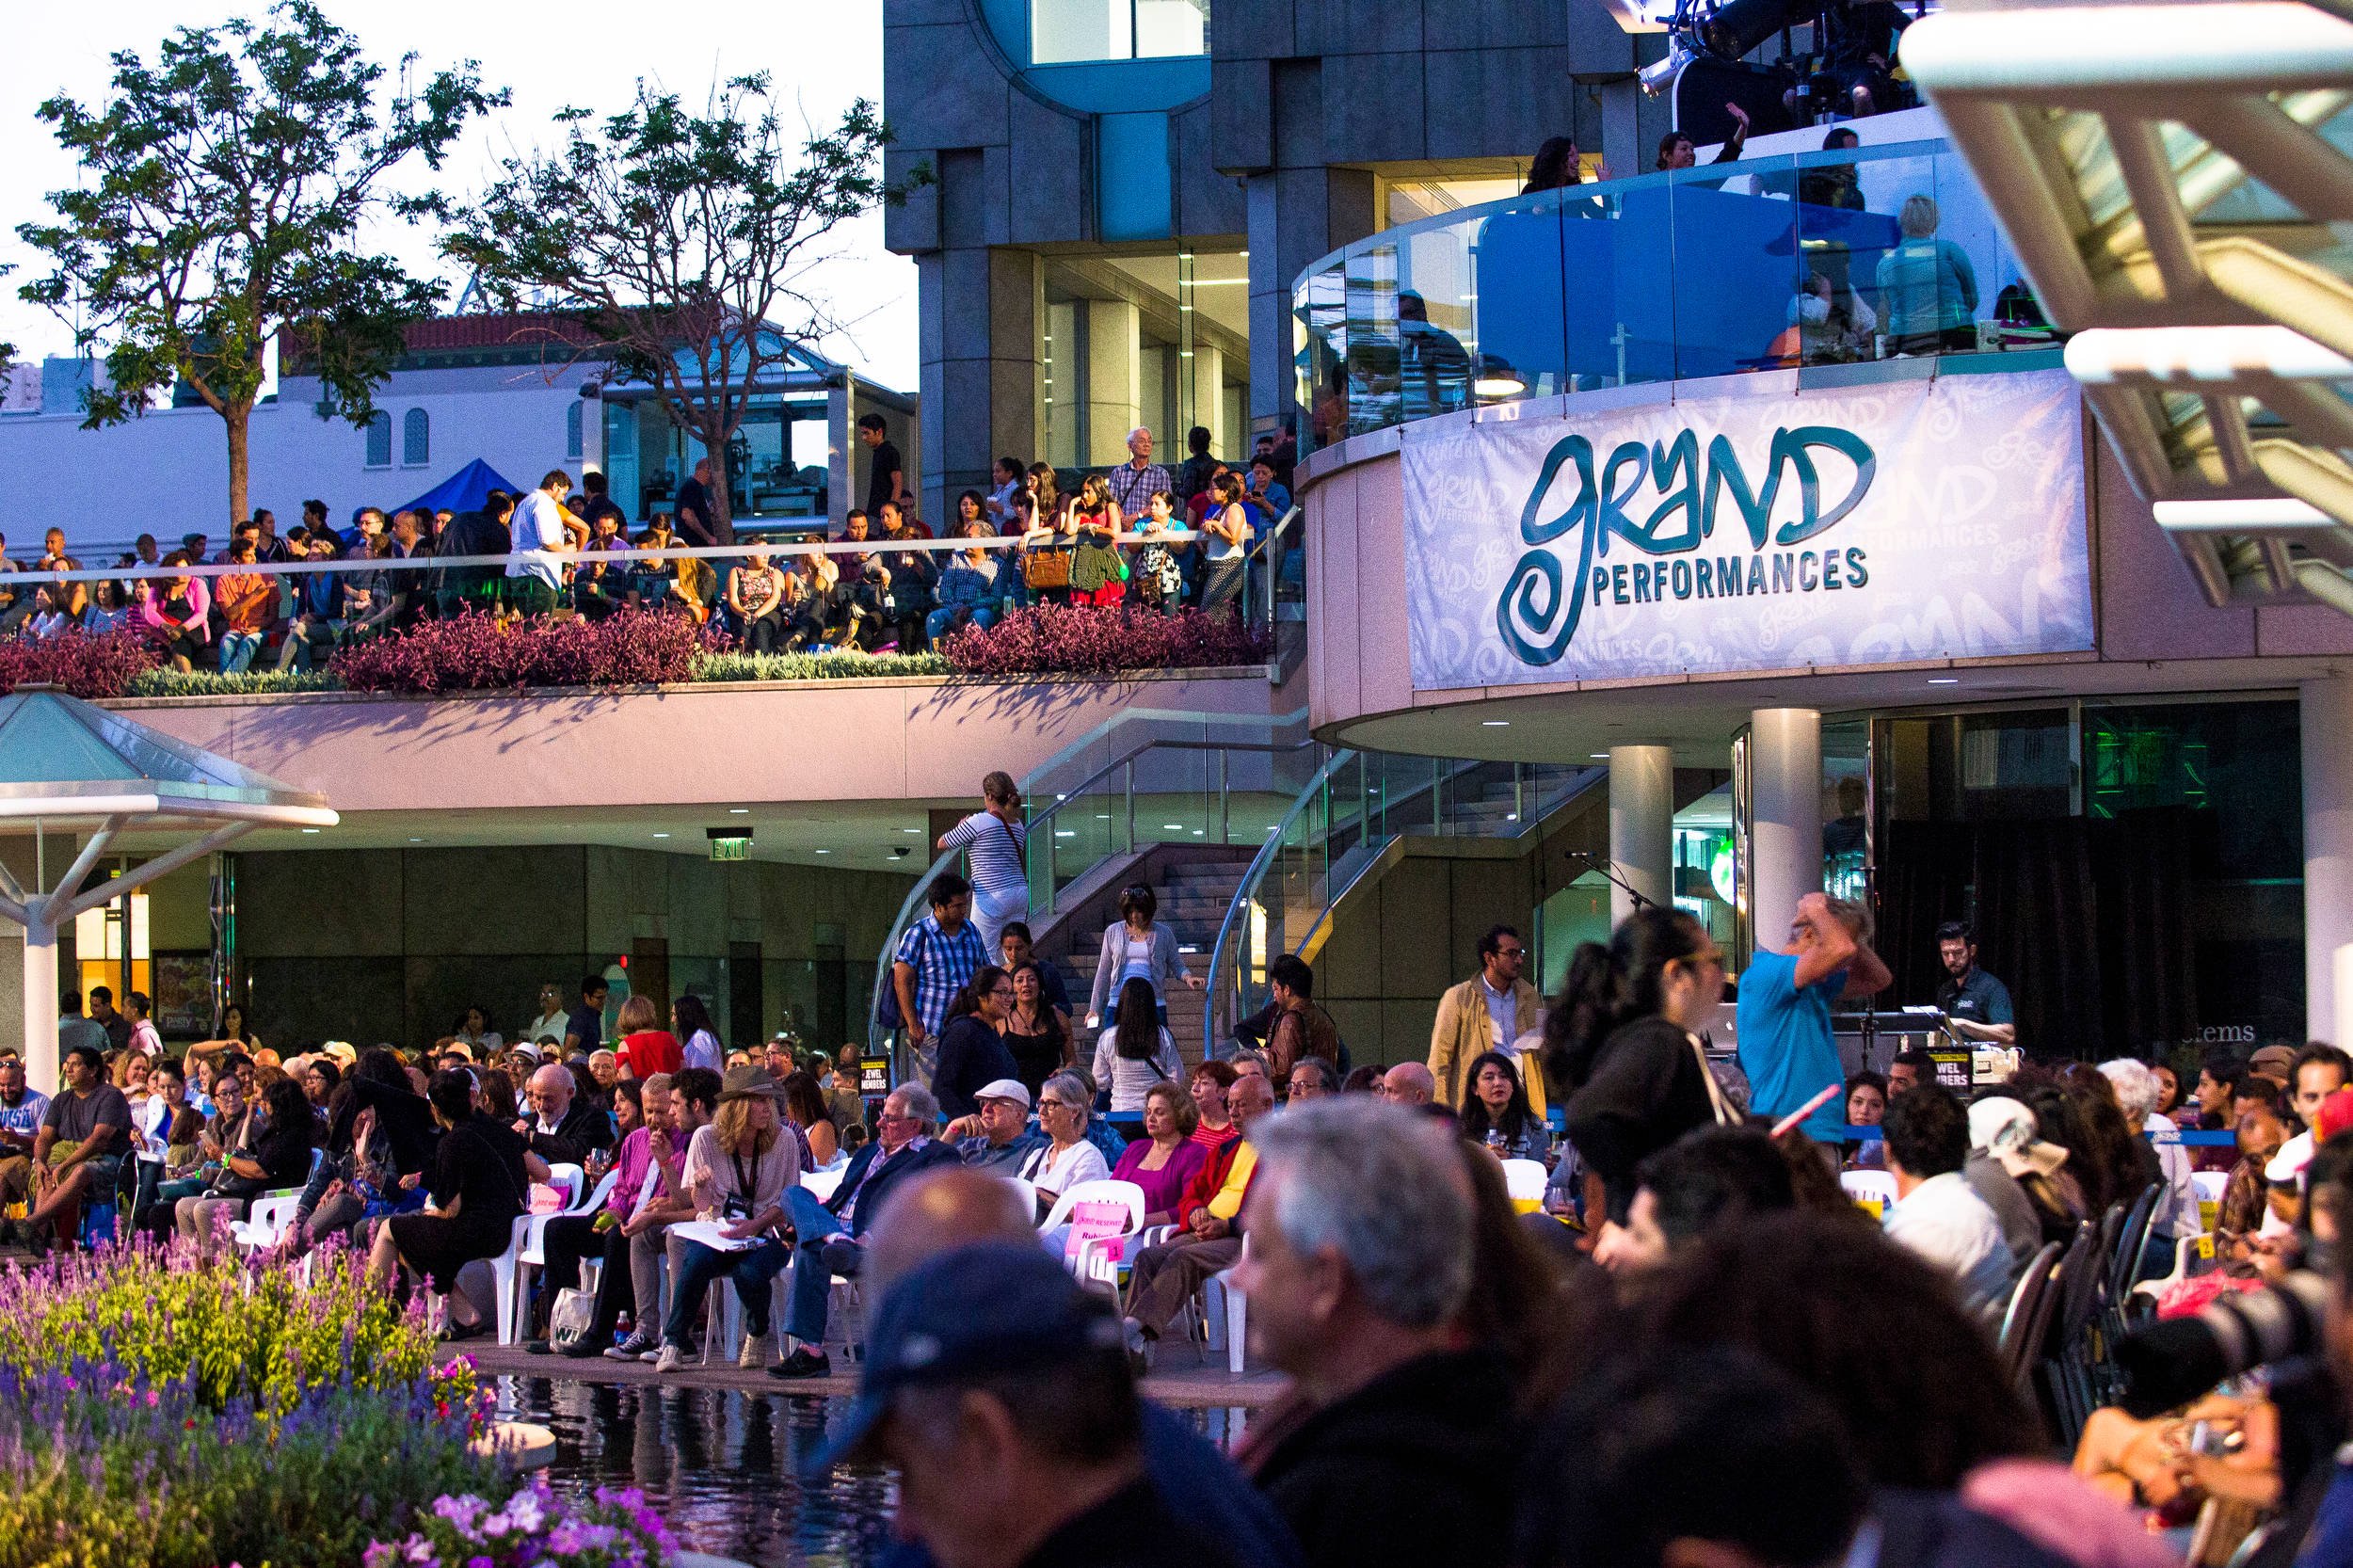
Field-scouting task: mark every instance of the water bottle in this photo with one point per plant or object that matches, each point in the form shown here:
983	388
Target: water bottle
621	1334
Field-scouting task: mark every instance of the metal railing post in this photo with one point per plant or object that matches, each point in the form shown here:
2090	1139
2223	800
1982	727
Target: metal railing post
1131	790
1224	796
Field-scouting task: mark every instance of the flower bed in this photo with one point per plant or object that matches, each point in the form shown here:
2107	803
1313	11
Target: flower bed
533	1528
475	654
93	665
157	1409
1089	640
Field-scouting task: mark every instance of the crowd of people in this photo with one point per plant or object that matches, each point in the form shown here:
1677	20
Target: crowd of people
1034	541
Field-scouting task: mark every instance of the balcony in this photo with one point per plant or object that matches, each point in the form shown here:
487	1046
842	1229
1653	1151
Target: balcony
1816	260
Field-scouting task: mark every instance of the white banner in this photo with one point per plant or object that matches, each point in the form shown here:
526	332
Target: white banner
1909	520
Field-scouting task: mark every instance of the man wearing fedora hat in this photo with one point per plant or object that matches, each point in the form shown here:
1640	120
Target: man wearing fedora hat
741	1172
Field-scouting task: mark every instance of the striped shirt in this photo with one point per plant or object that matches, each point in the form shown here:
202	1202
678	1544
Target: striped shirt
996	845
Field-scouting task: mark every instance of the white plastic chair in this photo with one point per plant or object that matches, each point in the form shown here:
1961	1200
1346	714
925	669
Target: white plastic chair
264	1222
822	1185
1222	1303
1869	1189
2209	1186
530	1253
1092	1258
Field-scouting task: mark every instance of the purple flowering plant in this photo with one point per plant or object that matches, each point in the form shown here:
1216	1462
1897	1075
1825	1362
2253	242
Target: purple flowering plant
1082	639
533	1528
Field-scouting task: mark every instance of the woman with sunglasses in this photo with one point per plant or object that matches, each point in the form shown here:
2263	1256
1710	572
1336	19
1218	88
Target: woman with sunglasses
1622	1043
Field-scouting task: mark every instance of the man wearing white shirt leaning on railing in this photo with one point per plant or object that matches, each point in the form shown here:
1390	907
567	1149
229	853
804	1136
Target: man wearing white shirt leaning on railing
534	581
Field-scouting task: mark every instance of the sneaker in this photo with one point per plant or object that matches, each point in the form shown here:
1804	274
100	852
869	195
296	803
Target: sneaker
803	1363
754	1354
638	1345
538	1347
670	1359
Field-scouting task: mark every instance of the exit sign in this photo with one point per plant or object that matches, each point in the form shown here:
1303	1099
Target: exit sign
730	846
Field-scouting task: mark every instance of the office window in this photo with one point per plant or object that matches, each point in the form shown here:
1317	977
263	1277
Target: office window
379	440
416	439
1066	31
572	428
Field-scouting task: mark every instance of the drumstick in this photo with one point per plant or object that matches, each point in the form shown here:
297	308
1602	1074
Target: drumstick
1789	1122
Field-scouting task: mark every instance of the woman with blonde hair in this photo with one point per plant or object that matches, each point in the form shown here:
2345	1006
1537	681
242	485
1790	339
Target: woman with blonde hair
738	1171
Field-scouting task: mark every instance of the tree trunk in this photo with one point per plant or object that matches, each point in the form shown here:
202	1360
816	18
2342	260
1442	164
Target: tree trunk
236	416
722	498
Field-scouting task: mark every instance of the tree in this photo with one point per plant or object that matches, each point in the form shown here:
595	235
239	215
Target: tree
224	189
680	246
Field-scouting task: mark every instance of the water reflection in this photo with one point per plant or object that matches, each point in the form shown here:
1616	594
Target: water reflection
723	1468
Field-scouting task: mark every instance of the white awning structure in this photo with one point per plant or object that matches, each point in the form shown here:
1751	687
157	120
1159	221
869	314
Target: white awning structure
2177	179
69	766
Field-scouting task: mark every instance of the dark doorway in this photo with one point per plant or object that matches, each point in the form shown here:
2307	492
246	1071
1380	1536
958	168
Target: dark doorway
746	996
650	975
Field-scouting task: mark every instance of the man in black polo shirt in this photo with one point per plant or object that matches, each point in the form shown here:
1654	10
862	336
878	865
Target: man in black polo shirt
1975	1004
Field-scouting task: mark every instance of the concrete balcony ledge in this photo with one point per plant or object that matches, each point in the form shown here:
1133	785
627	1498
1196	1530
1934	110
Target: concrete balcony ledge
596	749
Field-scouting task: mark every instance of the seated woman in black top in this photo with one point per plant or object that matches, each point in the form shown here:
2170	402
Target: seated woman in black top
278	1157
480	1184
1622	1046
972	1053
378	1129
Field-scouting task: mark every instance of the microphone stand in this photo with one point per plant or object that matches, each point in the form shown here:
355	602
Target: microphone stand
1609	868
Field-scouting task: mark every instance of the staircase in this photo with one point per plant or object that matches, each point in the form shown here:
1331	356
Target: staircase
1193	899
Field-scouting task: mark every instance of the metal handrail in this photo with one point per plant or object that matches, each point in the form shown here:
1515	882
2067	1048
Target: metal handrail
878	1039
1251	876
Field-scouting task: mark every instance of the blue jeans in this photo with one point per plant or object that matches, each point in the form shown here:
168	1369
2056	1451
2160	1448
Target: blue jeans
935	624
824	1250
237	649
752	1269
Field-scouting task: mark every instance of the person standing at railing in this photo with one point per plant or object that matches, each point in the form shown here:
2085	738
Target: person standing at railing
483	532
1159	582
1131	484
1929	286
534	582
996	839
1228	552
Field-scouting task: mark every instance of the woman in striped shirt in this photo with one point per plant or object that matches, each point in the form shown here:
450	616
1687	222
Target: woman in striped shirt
997	839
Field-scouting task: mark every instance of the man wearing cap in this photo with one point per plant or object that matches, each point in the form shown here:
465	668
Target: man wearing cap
1209	1212
2004	1146
1006	1138
2274	1062
997	1389
830	1236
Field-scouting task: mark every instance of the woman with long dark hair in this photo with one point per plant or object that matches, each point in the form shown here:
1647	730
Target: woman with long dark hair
1135	1052
1139	945
1497	1113
481	1180
1037	1032
698	1042
972	1053
1624	1041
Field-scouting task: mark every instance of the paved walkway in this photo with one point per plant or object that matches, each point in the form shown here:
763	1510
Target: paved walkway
1179	1385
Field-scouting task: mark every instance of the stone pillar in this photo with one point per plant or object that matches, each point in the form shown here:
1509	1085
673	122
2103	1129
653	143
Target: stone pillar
2326	719
1785	818
1641	825
1114	394
840	452
1208	409
1620	129
40	998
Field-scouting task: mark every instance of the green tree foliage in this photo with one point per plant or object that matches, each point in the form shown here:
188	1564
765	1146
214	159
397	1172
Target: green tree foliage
223	190
682	244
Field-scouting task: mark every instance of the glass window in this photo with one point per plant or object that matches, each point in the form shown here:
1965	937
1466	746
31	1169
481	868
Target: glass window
416	439
379	440
1066	31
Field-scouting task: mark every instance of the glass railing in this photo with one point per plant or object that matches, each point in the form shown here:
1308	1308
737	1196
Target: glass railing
1819	257
1150	779
1356	803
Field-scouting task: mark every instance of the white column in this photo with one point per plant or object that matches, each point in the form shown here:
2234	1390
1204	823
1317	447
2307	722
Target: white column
592	435
1786	802
1641	824
842	449
1114	396
40	998
2326	719
1208	407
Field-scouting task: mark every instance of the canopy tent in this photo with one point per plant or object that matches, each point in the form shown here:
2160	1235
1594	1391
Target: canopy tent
66	764
465	490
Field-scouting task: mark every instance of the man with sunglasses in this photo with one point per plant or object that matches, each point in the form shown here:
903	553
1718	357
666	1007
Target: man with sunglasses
1487	1012
1783	1018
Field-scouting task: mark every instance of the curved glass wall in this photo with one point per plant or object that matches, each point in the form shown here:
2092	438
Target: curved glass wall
1821	258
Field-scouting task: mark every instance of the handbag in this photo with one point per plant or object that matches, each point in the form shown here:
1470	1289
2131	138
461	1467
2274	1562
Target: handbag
1047	568
570	1318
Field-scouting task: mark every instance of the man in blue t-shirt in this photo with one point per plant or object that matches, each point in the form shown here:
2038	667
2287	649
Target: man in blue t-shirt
1784	1017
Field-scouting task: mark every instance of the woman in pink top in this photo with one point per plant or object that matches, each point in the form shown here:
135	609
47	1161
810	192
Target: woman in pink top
178	609
1165	1158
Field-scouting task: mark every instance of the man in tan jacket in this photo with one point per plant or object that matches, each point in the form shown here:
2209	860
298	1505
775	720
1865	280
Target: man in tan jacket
1486	1012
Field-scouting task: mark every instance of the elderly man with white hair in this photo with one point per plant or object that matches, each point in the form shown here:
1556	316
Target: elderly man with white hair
561	1127
1134	482
1358	1267
2177	1216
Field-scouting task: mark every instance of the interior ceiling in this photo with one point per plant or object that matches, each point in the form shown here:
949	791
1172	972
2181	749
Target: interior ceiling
1698	717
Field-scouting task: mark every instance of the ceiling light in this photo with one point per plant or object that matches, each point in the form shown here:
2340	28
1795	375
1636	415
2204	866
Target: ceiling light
661	835
1598	756
739	810
910	831
1494	724
1065	833
416	840
310	830
1171	827
1943	680
824	852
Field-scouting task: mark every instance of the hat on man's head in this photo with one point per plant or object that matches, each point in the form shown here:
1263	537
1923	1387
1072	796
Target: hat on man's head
2006	1129
342	1052
977	1311
2272	1061
747	1082
456	1047
1004	1089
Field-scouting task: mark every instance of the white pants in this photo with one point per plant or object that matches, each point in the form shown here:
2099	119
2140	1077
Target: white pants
993	912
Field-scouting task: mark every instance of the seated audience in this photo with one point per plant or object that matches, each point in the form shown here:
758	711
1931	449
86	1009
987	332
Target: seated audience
1714	1176
1165	1159
1937	1215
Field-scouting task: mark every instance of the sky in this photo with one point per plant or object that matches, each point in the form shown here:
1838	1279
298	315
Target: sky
823	54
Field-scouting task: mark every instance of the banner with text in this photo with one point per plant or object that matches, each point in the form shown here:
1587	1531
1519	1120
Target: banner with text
1916	519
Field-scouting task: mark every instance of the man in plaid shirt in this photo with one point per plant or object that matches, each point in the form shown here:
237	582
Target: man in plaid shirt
937	958
1133	481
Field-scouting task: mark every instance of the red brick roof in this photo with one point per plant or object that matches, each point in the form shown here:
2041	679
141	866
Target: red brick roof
497	329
